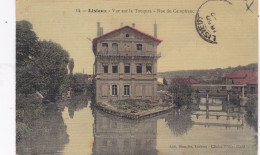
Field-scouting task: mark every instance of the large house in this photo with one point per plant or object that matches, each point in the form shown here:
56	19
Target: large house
243	77
125	64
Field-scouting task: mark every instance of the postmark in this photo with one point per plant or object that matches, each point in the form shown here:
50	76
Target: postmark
205	21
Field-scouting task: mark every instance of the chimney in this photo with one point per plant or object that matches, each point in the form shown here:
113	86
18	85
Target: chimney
121	24
98	28
101	31
155	30
133	25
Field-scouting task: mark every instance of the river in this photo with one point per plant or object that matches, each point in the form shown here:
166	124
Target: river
76	127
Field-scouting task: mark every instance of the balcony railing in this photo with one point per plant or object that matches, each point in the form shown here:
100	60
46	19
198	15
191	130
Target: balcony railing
126	76
128	53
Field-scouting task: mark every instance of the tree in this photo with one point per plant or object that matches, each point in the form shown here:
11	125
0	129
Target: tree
27	52
71	65
40	65
26	43
76	82
52	65
182	94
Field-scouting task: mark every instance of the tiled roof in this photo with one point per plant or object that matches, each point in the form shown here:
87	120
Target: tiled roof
240	74
243	77
156	39
184	81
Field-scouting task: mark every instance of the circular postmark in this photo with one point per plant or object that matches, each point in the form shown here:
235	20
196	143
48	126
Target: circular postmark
205	21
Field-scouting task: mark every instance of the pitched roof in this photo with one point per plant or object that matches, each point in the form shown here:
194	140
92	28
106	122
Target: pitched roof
243	77
156	39
240	74
184	81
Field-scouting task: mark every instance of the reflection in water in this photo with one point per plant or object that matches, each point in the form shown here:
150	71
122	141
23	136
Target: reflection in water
218	112
213	123
118	136
179	121
47	136
76	103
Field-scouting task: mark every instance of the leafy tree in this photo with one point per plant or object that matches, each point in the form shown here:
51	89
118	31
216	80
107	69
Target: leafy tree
27	51
71	65
51	65
77	83
182	94
40	65
26	43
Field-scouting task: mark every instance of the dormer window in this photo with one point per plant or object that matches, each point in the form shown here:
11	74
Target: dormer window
127	35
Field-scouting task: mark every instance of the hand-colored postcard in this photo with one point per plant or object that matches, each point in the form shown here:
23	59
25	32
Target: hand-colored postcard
140	77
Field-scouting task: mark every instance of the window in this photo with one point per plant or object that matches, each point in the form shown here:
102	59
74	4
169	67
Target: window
148	68
105	47
114	69
252	90
139	47
115	47
127	35
139	68
114	89
105	68
126	90
127	68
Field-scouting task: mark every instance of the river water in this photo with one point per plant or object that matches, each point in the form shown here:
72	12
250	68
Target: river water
76	127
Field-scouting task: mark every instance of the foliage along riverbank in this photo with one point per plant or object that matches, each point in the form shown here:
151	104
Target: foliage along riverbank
41	68
41	77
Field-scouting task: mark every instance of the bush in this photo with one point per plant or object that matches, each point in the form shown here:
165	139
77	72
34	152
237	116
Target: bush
134	105
182	94
28	108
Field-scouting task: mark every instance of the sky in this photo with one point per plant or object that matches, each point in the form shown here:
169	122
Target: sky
182	47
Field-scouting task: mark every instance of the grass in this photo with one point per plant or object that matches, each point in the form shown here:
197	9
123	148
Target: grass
134	105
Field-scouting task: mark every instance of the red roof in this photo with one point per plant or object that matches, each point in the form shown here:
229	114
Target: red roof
156	39
240	74
243	77
184	81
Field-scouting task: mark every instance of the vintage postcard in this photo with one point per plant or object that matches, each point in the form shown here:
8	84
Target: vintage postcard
140	77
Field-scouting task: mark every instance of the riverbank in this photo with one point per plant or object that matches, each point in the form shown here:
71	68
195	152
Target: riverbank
108	108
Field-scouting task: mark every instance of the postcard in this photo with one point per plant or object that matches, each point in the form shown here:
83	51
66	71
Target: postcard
140	77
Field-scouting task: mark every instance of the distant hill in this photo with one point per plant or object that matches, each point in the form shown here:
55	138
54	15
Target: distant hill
213	76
